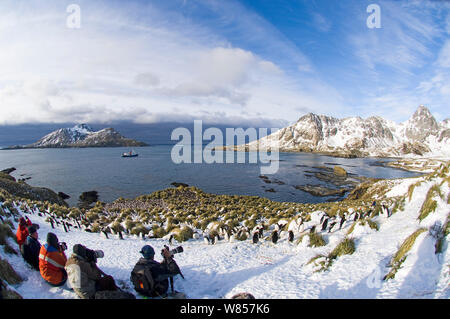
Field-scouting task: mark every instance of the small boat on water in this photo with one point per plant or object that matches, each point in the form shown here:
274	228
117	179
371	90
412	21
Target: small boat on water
130	154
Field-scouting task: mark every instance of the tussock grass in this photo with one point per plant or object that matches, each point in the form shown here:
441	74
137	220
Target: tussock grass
159	232
345	247
363	222
9	294
401	254
5	233
429	205
316	240
8	274
399	205
411	189
183	234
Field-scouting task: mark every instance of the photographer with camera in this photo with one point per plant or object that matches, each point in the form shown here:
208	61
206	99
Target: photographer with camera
52	260
151	278
85	277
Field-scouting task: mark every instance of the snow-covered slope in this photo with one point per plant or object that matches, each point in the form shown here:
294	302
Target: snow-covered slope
282	270
82	135
354	136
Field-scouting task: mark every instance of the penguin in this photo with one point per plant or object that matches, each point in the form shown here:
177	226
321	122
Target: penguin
226	236
206	240
120	235
65	228
331	226
274	237
261	232
255	237
171	239
105	233
341	223
312	229
291	236
325	224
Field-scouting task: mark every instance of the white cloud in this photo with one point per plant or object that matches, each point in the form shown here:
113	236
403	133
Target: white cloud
122	67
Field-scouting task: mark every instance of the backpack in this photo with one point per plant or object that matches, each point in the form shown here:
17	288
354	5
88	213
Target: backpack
143	281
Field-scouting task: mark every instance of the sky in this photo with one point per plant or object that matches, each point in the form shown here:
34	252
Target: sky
248	62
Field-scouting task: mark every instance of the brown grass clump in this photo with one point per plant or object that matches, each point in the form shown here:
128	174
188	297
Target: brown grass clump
429	205
8	274
400	255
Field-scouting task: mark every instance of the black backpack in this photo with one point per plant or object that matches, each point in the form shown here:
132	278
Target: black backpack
143	281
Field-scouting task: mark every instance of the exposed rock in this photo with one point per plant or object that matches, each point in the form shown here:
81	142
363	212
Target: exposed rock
339	171
8	170
318	190
176	184
63	195
24	190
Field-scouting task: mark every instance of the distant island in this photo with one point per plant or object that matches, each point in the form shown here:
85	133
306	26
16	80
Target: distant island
81	135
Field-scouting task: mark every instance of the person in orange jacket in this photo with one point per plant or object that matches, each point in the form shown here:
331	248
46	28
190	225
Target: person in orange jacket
52	261
22	231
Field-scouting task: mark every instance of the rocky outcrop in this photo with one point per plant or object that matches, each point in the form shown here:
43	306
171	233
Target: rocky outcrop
82	136
21	189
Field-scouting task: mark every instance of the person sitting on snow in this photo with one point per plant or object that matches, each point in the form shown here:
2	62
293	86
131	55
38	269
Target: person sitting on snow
149	277
52	260
22	231
31	248
85	277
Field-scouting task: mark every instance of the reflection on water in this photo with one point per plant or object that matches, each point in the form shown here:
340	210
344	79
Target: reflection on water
73	171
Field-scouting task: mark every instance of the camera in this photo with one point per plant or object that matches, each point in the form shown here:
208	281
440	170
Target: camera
63	246
174	251
92	255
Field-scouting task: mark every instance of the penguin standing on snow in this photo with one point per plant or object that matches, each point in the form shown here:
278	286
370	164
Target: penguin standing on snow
274	236
331	226
325	224
255	237
291	236
261	232
312	229
341	223
171	239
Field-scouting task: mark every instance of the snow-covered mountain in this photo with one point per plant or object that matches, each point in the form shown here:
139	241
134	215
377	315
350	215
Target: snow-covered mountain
82	135
358	137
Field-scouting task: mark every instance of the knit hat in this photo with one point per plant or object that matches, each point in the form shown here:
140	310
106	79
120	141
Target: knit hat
147	251
79	250
32	229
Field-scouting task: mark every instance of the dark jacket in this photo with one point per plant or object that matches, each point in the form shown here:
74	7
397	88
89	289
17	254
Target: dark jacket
30	252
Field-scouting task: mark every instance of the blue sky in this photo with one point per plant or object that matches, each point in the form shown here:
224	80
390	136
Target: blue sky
234	62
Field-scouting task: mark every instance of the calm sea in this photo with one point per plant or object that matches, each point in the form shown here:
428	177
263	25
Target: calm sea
74	171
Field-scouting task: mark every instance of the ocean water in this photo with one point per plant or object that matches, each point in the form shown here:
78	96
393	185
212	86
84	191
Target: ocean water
74	171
